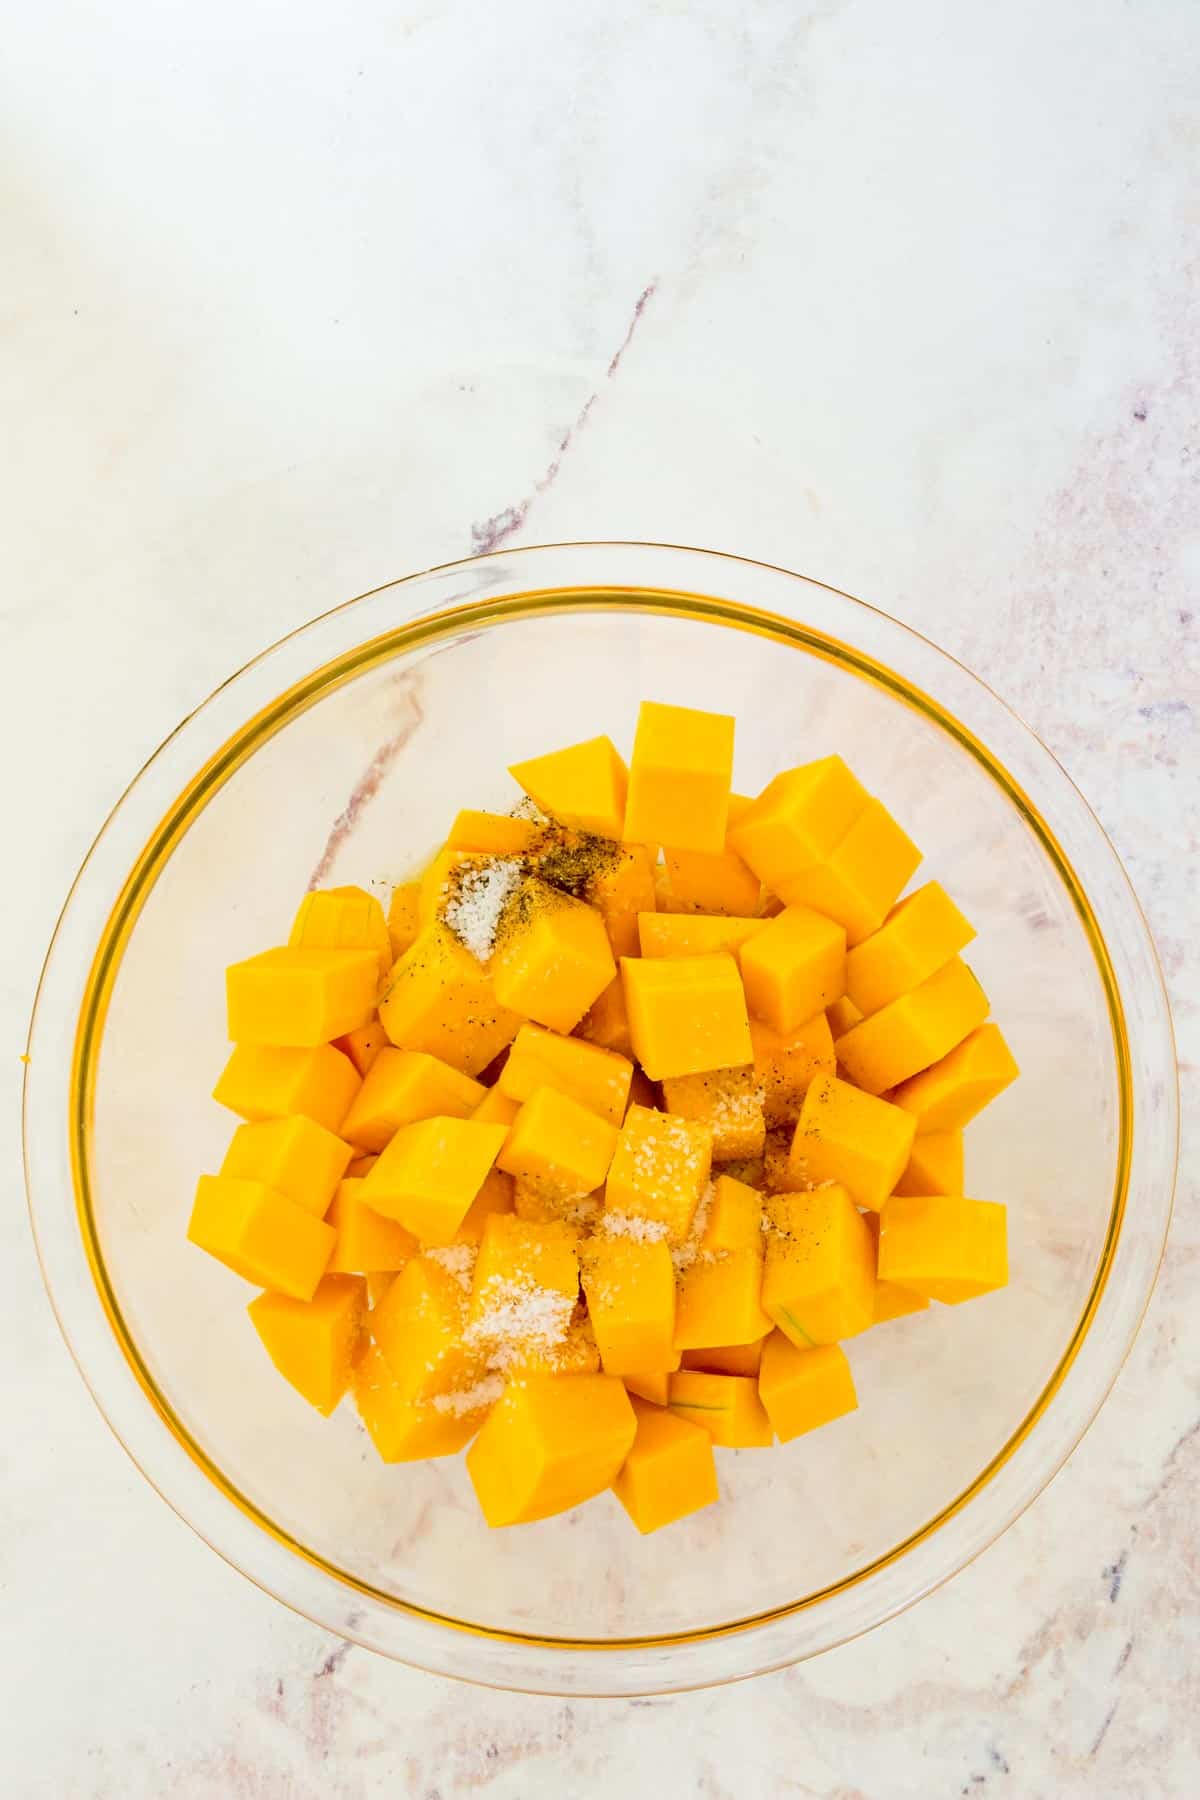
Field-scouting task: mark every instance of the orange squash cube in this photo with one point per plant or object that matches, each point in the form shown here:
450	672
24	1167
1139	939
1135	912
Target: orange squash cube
583	785
362	1046
693	933
679	778
798	820
720	1300
296	997
947	1248
495	1196
260	1234
729	1102
651	1385
404	917
404	1431
559	1144
911	1033
621	893
841	1016
553	957
403	1086
431	1172
606	1021
492	834
440	1000
787	1065
262	1081
686	1015
659	1170
517	1257
845	1136
733	1220
669	1472
802	1389
343	918
549	1443
860	878
726	1359
915	940
819	1270
948	1095
726	1406
367	1243
704	882
295	1156
794	967
496	1108
891	1301
314	1343
935	1165
595	1078
630	1288
420	1326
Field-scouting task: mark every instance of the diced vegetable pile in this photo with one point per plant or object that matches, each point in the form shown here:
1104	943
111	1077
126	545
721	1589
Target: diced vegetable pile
593	1151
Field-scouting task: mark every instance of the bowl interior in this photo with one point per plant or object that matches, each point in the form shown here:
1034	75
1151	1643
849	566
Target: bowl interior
358	785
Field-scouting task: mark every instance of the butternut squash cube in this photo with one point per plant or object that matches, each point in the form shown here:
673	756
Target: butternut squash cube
260	1234
917	938
403	917
948	1095
732	1221
935	1165
496	1108
842	1015
595	1078
296	997
947	1248
651	1385
659	1170
911	1033
440	1000
802	1389
362	1046
787	1064
583	785
679	778
549	1443
726	1406
495	1196
262	1081
553	958
295	1156
686	1015
404	1431
819	1271
860	878
798	820
693	933
729	1102
343	918
630	1288
706	882
559	1144
845	1136
720	1300
367	1243
669	1471
403	1086
420	1326
726	1359
492	834
517	1257
891	1301
794	967
431	1172
314	1343
606	1021
620	893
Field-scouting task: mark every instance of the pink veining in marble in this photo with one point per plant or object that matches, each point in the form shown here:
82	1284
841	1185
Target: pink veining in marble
371	780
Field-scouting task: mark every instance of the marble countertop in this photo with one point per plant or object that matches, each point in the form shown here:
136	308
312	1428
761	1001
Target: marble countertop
301	298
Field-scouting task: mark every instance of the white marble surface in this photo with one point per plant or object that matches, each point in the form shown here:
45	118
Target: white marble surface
299	298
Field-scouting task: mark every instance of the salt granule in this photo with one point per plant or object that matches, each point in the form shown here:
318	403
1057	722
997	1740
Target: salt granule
478	900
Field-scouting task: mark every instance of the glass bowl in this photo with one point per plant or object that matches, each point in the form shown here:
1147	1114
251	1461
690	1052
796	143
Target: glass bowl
339	756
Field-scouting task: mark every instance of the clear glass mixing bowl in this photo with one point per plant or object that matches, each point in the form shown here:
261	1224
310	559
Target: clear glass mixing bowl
339	755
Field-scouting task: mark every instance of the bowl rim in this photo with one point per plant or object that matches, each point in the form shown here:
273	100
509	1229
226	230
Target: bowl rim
423	629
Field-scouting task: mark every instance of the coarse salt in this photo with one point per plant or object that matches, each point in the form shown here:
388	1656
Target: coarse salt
478	900
628	1225
473	1399
457	1260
